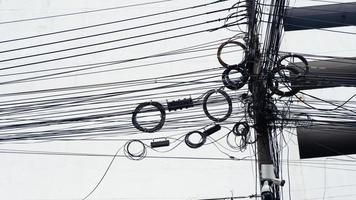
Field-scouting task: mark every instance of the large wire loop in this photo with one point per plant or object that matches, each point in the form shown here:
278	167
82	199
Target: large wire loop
301	69
224	64
159	107
274	82
234	84
193	145
227	98
137	155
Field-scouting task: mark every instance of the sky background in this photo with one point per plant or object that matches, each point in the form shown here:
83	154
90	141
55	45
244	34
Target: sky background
54	177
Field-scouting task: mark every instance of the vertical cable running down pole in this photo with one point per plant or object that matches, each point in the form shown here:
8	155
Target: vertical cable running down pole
258	89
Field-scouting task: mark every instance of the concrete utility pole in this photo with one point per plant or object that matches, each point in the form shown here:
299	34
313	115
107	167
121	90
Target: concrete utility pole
259	90
261	62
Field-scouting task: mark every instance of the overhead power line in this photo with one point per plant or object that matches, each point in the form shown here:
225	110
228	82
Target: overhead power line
115	31
82	12
116	48
112	22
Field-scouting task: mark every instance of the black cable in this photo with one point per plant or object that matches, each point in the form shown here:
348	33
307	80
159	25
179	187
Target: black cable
226	65
136	81
115	48
82	12
137	155
111	32
192	144
56	75
103	176
236	83
112	22
172	52
111	41
274	81
227	98
159	107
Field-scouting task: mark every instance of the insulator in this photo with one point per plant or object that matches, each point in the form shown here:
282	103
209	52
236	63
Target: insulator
211	130
180	104
163	143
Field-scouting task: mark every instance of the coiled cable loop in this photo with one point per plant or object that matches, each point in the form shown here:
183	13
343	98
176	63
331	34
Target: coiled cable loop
227	98
236	83
283	79
221	47
302	67
193	145
241	129
139	155
159	107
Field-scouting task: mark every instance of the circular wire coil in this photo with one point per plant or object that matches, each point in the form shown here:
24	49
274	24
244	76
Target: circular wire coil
227	98
274	84
192	144
135	156
304	70
221	47
234	84
159	107
238	143
243	126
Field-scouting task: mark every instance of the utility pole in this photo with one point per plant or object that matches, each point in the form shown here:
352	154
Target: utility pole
260	63
258	88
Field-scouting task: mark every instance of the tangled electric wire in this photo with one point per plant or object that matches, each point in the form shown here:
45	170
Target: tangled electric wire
287	75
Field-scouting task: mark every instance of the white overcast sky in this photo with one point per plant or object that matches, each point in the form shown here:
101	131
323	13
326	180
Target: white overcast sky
54	177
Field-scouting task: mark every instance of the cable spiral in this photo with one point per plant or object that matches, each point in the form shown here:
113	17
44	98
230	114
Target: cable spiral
274	83
192	144
227	98
135	156
226	65
234	84
159	107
